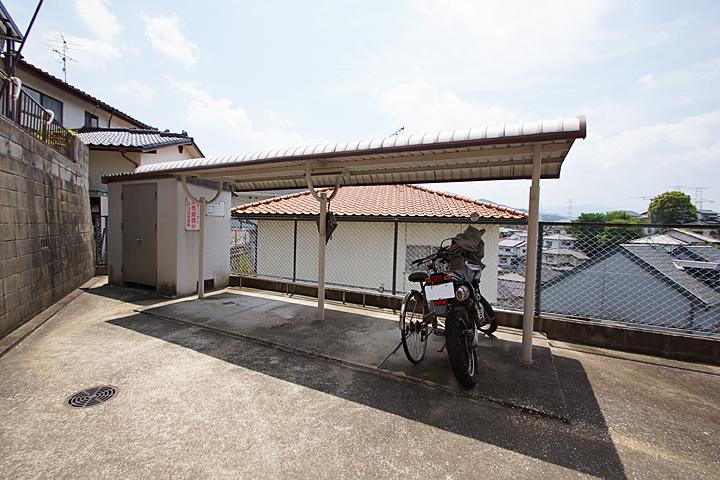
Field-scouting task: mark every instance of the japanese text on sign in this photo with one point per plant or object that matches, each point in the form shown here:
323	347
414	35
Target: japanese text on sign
192	215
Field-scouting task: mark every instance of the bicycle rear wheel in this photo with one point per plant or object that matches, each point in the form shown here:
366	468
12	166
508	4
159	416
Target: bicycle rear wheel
415	332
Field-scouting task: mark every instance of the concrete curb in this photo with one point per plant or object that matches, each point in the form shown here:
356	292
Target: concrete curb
627	338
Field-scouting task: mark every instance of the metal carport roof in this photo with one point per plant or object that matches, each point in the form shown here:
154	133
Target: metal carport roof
525	150
489	153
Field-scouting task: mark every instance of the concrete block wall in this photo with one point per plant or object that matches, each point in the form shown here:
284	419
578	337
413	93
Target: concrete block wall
46	239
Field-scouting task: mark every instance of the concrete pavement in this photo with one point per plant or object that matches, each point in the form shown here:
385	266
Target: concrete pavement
245	384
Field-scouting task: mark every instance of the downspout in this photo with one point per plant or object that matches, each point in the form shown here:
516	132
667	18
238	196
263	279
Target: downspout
110	119
123	151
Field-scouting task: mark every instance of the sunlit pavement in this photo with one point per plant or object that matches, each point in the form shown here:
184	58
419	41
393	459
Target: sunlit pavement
247	384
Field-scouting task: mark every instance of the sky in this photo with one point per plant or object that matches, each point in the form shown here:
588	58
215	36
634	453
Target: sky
243	76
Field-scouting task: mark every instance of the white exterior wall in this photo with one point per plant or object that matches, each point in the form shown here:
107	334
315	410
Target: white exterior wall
73	108
275	248
106	162
361	253
177	250
168	154
217	243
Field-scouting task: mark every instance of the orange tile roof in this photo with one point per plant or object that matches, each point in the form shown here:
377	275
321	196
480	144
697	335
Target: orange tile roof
382	201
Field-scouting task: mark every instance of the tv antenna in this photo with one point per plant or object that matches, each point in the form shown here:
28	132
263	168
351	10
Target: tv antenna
399	132
62	46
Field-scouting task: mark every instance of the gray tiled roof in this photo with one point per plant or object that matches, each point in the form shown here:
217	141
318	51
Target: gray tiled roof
662	261
131	138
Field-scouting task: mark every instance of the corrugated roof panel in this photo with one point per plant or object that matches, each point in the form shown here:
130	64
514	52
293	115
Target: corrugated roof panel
501	152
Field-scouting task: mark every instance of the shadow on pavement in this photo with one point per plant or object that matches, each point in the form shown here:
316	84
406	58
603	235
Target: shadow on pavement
141	298
583	445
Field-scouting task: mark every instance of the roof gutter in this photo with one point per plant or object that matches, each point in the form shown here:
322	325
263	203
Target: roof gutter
123	151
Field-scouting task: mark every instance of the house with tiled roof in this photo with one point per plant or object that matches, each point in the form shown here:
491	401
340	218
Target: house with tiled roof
381	229
121	150
73	108
654	284
118	143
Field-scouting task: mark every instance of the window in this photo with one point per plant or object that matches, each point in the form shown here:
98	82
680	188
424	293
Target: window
90	120
48	102
413	252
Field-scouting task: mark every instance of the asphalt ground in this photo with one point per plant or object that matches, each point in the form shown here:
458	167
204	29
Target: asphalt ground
246	384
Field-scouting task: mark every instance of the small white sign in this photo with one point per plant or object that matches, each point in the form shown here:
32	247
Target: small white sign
216	209
192	215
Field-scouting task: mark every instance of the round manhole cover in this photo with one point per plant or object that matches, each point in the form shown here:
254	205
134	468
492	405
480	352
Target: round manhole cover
91	396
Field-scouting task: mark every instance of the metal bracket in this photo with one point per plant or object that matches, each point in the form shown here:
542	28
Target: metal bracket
190	195
308	179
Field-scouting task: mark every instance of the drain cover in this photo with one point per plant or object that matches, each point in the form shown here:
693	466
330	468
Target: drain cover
91	397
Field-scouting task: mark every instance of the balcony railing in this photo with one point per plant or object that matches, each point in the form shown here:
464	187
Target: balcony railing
33	118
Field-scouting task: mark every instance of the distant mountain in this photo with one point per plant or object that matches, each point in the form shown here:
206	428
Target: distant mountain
577	209
552	217
502	205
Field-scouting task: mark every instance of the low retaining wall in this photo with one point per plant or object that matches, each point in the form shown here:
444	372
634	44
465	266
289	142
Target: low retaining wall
678	346
46	236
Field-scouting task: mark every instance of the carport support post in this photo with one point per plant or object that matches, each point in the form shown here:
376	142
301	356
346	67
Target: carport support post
321	262
201	261
203	211
531	258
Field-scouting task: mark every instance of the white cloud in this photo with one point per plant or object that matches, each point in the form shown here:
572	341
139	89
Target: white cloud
136	91
96	16
166	36
519	43
421	107
278	119
644	161
648	81
219	115
613	171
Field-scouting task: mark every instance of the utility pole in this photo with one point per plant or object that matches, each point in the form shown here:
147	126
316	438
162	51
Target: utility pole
699	198
649	207
569	205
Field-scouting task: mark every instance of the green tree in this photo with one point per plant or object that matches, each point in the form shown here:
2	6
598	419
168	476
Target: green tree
673	207
594	240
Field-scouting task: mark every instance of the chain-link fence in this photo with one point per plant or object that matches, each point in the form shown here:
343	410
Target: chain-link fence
653	275
372	256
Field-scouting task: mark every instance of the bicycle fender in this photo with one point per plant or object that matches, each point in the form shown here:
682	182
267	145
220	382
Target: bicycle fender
401	320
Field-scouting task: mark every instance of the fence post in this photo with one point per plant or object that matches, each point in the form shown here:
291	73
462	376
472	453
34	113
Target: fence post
538	270
394	280
295	254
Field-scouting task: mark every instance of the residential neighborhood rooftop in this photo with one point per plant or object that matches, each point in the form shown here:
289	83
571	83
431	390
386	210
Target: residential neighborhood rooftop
131	138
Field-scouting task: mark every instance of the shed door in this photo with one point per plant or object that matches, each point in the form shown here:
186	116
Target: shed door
139	233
